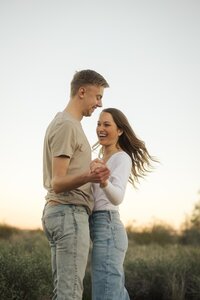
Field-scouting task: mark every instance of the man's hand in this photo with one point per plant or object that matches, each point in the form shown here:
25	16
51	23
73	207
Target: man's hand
99	168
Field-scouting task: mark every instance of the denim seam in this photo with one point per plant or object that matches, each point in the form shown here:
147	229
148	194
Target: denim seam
75	257
107	270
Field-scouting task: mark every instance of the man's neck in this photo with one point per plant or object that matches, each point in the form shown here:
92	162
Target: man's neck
73	109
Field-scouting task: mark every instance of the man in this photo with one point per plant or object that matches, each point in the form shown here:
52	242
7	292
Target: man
67	178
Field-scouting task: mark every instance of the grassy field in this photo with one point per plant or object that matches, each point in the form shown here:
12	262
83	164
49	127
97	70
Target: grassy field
156	268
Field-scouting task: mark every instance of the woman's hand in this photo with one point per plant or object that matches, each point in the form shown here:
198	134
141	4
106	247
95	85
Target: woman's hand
96	163
97	166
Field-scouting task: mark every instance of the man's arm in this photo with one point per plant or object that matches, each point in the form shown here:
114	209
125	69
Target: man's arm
62	182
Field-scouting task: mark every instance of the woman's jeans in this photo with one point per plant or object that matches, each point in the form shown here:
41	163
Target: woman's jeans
67	229
108	252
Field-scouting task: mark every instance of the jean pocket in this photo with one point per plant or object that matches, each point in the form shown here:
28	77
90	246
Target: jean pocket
120	238
53	225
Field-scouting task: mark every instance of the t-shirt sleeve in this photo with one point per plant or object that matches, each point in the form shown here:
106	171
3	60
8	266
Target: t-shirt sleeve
63	141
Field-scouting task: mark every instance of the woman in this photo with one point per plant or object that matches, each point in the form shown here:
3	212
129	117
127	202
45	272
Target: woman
128	159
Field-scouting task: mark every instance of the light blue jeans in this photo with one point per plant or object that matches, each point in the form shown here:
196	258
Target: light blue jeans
110	244
67	229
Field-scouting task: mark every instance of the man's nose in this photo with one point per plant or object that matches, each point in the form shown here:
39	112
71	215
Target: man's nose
99	103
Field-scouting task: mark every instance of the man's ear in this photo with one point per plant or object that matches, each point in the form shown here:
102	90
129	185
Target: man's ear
81	92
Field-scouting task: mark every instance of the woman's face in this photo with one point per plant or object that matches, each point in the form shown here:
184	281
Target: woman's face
107	131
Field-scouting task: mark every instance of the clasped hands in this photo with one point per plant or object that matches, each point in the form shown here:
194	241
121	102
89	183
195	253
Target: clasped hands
100	168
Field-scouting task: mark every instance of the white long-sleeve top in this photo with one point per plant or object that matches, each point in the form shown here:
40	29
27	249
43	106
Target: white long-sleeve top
109	197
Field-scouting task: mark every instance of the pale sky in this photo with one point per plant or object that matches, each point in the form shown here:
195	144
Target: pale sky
149	52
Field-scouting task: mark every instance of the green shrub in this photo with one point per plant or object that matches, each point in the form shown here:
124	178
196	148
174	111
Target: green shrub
161	234
164	273
190	236
25	270
7	231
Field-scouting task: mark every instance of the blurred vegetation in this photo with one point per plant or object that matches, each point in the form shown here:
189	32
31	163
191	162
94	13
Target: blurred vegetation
25	265
161	263
191	227
158	233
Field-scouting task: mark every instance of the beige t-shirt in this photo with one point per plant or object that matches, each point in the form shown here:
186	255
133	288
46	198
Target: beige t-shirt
65	136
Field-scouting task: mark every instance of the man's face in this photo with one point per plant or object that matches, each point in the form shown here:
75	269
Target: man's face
92	98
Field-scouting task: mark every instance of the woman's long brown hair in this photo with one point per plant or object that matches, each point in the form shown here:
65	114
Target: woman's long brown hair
132	145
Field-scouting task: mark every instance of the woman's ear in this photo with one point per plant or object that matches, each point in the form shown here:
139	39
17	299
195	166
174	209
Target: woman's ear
120	132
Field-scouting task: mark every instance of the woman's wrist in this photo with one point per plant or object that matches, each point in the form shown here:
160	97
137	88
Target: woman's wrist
103	184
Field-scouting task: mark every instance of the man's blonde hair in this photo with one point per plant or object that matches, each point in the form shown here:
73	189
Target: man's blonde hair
87	77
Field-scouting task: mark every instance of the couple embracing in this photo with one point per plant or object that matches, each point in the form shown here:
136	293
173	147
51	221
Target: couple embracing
83	195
